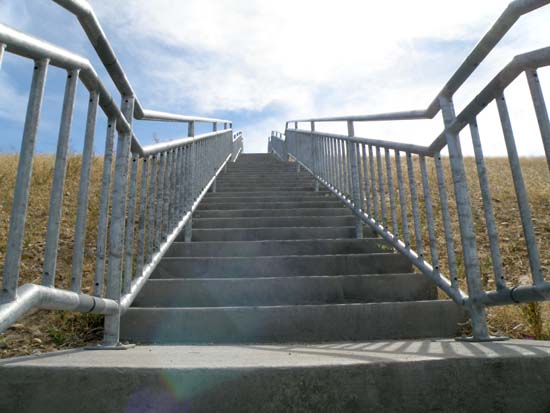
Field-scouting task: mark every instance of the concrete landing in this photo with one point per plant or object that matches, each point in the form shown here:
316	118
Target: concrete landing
411	376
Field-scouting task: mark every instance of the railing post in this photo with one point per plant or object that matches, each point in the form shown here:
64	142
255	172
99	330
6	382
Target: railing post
351	153
111	336
469	246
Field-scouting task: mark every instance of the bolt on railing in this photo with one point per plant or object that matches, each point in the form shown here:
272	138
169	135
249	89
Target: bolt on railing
353	169
143	207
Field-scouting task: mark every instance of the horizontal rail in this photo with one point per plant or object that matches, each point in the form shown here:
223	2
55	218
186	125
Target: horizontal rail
92	27
166	146
496	33
532	60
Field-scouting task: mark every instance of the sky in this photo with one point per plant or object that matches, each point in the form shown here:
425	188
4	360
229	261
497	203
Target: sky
263	62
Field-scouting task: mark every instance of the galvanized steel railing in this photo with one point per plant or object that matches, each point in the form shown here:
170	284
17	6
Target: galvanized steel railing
151	198
368	176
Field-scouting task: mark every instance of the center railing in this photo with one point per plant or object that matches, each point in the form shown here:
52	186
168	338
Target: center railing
368	176
148	193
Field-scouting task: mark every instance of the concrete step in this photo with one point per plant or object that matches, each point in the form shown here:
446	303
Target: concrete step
293	324
277	222
275	248
281	187
281	266
265	234
296	212
415	376
269	205
265	177
284	197
264	169
272	179
267	190
235	292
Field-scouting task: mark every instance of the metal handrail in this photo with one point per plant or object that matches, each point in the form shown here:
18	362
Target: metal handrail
170	178
504	23
363	174
92	27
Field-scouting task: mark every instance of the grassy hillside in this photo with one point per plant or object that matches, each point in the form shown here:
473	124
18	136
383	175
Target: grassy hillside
47	331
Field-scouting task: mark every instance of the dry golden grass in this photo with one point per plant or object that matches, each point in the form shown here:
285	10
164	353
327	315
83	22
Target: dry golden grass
524	321
48	331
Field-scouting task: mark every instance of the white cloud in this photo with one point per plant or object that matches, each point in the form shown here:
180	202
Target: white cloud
310	58
13	104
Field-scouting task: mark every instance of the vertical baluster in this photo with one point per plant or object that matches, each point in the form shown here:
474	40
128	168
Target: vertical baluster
357	149
469	245
103	221
429	215
82	208
393	207
172	192
14	246
540	110
190	182
188	231
175	189
167	195
118	219
381	188
143	197
373	185
487	206
180	186
414	202
152	207
2	51
521	192
366	182
333	164
160	197
354	180
327	159
130	226
446	221
60	171
347	173
337	166
402	200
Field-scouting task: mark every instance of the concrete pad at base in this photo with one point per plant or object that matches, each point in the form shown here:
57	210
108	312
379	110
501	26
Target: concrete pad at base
417	376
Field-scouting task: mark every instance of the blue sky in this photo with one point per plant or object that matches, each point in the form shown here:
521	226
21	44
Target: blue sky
261	62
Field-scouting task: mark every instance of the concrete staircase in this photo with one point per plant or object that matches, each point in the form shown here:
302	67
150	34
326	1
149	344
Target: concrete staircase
281	310
272	261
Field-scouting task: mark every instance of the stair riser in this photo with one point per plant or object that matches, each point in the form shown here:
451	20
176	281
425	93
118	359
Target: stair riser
276	222
293	324
286	291
256	213
282	266
275	248
417	386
